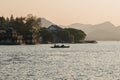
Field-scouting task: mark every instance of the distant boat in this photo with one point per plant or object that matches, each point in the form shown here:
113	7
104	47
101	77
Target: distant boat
59	46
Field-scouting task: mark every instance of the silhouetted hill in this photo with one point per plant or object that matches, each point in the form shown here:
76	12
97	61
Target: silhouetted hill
46	23
103	31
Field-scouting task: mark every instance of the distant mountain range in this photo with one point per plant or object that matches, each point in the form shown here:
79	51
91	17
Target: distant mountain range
46	23
105	31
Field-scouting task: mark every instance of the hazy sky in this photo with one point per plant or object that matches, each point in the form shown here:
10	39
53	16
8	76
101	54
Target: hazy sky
65	11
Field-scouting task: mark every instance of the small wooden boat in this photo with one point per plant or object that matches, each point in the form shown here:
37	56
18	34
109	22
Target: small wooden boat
62	46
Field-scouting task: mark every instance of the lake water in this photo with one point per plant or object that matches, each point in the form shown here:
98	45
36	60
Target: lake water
79	62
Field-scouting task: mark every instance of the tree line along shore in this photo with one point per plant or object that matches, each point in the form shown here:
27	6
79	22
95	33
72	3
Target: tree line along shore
28	30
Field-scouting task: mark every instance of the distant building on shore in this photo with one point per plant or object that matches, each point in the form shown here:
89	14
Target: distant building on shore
11	37
29	38
55	29
8	37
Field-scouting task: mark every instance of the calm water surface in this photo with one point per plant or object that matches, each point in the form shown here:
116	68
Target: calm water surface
79	62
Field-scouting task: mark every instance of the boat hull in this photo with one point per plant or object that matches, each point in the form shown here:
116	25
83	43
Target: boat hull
60	47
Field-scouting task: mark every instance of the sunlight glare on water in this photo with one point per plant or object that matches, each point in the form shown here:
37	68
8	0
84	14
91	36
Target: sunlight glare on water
79	62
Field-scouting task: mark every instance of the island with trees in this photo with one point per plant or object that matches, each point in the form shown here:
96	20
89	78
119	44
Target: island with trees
28	30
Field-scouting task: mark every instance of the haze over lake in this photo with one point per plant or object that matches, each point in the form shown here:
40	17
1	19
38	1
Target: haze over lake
79	62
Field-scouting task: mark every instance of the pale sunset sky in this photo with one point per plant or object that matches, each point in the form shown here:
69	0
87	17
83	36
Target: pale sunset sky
65	12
